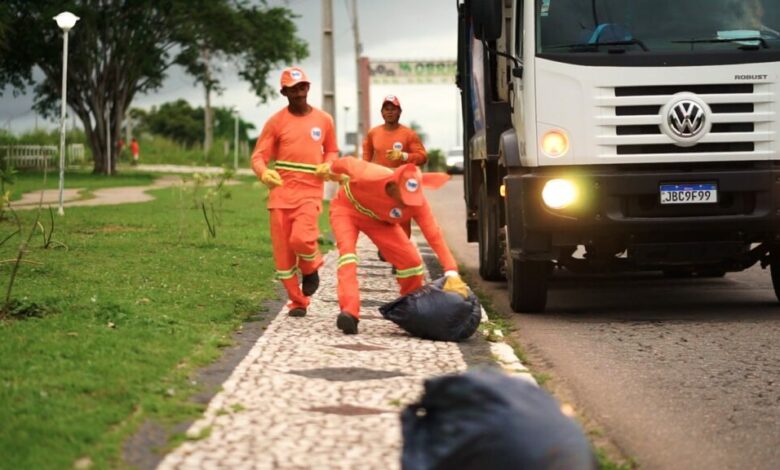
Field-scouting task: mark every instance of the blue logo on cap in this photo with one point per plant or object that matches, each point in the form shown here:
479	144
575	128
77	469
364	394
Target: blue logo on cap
396	213
296	74
412	185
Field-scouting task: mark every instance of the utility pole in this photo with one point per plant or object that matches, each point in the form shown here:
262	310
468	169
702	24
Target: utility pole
328	65
358	50
328	78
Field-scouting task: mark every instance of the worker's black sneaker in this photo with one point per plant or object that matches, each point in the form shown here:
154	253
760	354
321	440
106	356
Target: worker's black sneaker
347	323
297	312
310	284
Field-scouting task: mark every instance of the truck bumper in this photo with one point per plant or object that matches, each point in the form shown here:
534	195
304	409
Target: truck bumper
621	210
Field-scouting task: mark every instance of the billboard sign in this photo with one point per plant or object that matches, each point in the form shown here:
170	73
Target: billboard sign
413	72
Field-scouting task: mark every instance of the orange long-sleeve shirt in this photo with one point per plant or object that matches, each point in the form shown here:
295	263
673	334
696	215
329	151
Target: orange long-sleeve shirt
379	140
297	144
364	193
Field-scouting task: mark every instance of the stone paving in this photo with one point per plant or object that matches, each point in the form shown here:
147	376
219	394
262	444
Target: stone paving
308	396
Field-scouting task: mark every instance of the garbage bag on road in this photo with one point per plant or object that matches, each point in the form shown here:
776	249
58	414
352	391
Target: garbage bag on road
486	419
431	313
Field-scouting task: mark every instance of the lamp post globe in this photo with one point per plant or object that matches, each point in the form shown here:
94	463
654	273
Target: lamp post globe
65	20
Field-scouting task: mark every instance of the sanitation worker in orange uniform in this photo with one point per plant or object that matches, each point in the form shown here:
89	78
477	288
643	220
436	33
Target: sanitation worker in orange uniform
375	200
297	138
392	144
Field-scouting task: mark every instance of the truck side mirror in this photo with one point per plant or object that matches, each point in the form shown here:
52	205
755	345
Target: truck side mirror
487	19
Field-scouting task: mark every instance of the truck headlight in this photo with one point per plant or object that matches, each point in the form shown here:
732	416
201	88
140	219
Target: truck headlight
555	143
559	193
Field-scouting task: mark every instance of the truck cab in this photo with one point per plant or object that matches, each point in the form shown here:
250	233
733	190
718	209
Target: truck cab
613	135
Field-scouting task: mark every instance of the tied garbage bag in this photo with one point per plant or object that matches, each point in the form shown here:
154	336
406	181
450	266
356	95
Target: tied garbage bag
487	420
431	313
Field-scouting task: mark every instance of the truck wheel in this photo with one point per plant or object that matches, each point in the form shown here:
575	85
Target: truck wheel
527	282
489	246
774	269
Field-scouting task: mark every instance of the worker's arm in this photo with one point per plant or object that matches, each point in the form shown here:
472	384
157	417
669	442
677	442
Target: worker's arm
433	234
329	145
417	153
348	166
265	148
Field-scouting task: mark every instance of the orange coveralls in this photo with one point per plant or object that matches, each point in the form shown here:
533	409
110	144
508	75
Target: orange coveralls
297	144
362	205
379	140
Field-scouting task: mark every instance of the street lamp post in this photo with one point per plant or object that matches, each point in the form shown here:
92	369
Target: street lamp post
65	20
235	142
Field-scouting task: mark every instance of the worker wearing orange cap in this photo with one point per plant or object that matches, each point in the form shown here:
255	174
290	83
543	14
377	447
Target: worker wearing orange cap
392	144
297	138
375	200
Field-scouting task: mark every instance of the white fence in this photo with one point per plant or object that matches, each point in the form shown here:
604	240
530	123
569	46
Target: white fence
34	156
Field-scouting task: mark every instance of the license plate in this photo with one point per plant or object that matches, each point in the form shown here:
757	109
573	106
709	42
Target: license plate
689	193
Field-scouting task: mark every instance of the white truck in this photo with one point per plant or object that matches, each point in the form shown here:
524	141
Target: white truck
609	135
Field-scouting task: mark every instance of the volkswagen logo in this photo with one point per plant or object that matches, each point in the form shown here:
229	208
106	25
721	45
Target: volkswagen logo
686	118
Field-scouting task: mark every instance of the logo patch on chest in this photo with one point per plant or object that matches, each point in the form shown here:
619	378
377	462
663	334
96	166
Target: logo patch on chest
396	213
316	133
398	146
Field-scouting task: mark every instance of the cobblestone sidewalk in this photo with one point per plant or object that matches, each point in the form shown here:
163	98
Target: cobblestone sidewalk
308	396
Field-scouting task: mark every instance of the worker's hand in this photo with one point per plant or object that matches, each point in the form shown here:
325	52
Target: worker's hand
456	285
323	171
271	178
396	155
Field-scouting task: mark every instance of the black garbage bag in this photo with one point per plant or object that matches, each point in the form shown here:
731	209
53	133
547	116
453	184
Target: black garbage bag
487	420
431	313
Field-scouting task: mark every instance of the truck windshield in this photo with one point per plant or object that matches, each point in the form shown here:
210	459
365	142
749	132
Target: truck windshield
657	26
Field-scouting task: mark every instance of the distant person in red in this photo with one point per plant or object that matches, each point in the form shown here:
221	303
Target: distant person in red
135	150
392	144
297	139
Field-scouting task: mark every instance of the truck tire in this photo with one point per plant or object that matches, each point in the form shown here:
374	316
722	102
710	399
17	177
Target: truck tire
774	269
527	283
489	243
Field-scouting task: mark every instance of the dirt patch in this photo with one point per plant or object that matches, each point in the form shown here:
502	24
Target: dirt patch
113	229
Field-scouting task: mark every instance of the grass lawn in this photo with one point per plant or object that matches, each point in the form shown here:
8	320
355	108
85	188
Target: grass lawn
120	311
27	181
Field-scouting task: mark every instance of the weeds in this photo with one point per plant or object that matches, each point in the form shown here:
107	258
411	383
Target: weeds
209	201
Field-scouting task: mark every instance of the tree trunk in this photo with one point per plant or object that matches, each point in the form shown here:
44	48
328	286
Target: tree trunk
208	118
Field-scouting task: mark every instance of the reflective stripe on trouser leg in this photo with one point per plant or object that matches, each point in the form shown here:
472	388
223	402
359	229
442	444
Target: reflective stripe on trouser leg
303	237
284	257
399	251
348	288
345	230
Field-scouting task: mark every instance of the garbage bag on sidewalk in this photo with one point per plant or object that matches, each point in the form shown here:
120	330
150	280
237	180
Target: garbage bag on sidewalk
486	419
431	313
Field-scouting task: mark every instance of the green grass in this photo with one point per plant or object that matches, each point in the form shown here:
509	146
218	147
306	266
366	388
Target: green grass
139	296
27	181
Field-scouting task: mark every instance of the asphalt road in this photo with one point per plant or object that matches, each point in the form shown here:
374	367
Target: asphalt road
679	373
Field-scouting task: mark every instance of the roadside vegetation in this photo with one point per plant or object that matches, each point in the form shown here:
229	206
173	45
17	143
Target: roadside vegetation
109	323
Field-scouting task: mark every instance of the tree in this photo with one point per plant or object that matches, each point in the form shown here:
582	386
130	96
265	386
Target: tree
179	121
120	48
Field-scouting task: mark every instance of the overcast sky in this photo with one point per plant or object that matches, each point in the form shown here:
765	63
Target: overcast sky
389	29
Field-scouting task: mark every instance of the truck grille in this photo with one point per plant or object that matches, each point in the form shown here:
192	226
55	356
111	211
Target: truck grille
629	121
